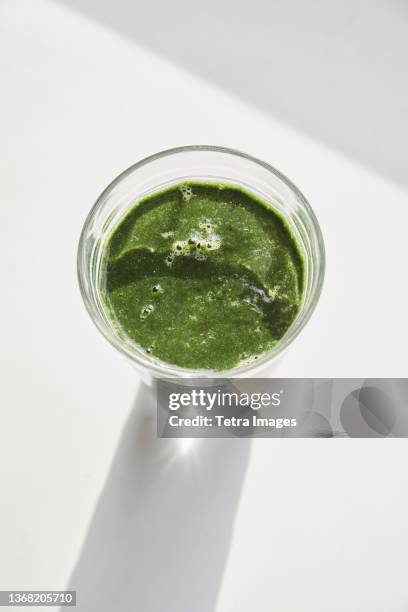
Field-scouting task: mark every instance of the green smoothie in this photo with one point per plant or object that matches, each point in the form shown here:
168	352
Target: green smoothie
202	276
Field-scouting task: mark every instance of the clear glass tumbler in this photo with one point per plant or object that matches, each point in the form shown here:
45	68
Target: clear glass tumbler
208	164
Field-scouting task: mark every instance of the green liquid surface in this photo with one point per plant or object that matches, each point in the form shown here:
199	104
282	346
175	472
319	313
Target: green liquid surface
202	276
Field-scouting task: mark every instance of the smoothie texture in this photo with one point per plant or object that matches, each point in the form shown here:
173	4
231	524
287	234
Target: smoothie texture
202	276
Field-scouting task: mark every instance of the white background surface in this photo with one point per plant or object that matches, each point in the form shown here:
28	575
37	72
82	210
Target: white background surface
90	499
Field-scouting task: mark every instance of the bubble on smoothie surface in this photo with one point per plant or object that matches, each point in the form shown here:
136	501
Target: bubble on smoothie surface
146	311
200	256
179	247
169	259
210	238
186	192
157	289
195	245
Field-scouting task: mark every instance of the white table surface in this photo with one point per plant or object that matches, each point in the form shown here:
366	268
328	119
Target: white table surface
90	499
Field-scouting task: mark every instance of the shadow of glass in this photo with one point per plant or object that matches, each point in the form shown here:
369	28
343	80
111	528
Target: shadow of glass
335	70
161	531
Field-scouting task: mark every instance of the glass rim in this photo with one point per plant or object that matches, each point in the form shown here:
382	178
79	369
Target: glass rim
163	369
